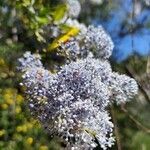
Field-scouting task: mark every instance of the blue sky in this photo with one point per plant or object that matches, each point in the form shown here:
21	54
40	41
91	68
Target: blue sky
140	39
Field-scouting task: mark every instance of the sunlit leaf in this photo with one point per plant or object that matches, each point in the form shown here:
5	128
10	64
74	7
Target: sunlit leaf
40	38
59	12
64	38
42	20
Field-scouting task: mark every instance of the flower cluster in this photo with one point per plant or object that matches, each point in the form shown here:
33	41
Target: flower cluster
71	48
96	2
91	39
147	2
99	41
72	103
28	61
74	8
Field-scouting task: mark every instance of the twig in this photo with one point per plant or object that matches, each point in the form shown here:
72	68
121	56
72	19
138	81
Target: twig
148	66
118	141
131	73
139	125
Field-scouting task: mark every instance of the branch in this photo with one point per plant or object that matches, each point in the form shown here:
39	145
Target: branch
148	66
118	141
138	124
132	74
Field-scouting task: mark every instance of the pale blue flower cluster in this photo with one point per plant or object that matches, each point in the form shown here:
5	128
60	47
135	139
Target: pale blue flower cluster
96	2
71	49
93	40
74	8
99	42
72	103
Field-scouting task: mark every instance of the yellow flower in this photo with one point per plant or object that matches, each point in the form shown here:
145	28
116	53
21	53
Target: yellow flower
19	98
29	125
29	140
10	91
11	96
19	128
4	106
10	101
24	128
43	147
2	132
7	96
18	109
2	62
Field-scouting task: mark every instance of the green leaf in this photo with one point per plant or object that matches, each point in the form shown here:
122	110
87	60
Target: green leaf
141	141
63	38
42	20
26	3
40	38
59	12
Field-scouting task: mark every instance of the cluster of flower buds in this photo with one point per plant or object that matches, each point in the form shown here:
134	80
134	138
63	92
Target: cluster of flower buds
72	103
74	8
96	2
93	40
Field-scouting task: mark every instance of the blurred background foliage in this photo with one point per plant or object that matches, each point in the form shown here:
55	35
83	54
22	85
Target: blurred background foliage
29	24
